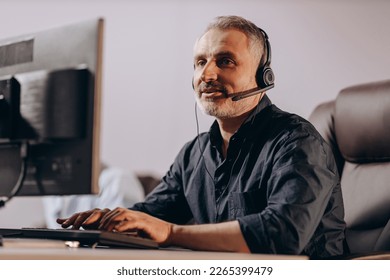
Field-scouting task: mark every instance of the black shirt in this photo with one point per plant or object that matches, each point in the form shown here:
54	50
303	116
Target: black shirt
279	180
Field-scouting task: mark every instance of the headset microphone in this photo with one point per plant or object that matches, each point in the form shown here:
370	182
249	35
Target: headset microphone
244	94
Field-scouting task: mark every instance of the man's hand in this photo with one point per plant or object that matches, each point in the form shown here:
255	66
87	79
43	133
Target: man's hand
209	237
89	219
122	219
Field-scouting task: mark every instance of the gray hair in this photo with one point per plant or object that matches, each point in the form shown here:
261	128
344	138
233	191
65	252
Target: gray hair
254	33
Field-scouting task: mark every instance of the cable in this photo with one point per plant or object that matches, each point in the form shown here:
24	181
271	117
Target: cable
22	175
198	140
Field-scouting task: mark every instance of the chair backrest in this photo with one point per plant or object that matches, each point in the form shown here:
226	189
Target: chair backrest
357	126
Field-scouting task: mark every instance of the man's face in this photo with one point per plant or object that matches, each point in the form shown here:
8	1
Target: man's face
223	64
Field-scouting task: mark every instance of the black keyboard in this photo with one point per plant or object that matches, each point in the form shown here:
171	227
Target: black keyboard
84	237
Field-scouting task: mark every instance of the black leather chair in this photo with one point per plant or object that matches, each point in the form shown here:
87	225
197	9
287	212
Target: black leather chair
357	126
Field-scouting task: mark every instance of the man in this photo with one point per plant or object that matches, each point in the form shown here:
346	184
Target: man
261	180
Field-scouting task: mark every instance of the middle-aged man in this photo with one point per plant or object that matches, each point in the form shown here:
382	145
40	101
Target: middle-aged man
261	180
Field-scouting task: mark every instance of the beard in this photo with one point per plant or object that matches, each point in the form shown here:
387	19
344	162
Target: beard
221	108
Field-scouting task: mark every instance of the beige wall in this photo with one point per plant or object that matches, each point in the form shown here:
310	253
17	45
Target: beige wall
318	48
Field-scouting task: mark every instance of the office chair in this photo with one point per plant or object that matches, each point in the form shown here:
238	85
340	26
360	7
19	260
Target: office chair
357	127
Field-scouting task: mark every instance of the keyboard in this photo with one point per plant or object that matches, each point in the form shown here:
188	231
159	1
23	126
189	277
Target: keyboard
84	237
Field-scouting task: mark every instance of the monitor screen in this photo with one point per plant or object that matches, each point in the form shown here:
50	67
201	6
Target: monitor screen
50	103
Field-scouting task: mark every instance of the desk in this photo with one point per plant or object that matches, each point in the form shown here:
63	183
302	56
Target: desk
42	253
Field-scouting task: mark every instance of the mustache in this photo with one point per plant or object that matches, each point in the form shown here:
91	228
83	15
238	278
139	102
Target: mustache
213	86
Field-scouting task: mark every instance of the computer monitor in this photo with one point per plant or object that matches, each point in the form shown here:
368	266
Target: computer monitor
50	106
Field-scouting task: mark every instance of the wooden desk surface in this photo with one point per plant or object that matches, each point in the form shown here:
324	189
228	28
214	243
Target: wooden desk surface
51	251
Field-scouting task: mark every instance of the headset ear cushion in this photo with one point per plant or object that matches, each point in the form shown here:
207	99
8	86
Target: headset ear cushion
259	77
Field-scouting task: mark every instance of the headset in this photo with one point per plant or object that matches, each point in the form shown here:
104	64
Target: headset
265	76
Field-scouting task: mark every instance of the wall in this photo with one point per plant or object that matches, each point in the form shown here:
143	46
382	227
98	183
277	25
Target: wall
318	47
